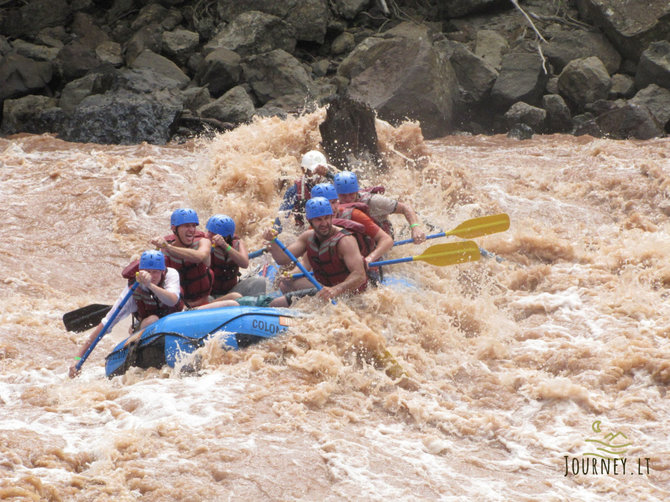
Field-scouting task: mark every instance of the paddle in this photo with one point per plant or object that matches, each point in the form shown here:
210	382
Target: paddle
451	253
305	272
86	317
469	229
106	326
475	227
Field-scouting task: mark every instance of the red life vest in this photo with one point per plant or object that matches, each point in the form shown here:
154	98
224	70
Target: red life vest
196	278
364	197
366	244
329	269
226	271
147	303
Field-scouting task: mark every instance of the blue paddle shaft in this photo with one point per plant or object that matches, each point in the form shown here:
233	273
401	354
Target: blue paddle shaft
407	241
106	326
256	254
306	273
374	264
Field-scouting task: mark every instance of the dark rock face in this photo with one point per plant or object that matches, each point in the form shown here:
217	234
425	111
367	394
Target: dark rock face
348	133
129	71
401	75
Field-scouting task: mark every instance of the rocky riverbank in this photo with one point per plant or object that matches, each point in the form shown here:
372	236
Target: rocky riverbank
127	71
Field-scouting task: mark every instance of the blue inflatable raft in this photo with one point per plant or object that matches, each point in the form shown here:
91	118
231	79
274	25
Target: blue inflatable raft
171	337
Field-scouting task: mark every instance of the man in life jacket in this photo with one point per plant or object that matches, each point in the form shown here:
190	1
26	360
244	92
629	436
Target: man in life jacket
158	295
379	206
333	254
375	242
188	251
315	169
228	255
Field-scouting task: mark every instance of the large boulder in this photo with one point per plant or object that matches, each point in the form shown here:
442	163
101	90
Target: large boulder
584	81
523	113
276	74
631	25
475	76
148	60
348	134
558	113
21	76
27	20
401	75
521	78
308	18
657	100
654	66
234	106
220	71
576	44
349	9
122	106
254	32
31	114
629	121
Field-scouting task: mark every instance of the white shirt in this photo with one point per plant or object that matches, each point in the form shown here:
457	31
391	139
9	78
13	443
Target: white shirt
171	284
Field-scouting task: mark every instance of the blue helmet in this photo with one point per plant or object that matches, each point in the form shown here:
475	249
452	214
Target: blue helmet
181	216
222	225
326	190
317	206
346	182
152	260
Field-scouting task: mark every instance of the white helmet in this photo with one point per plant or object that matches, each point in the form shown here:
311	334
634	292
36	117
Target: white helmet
312	159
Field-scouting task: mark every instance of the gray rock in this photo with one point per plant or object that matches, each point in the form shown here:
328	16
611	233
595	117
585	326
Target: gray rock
149	38
148	60
254	32
558	113
308	18
195	97
343	43
277	74
521	78
156	14
31	114
75	60
631	25
179	44
123	118
657	100
523	113
27	20
629	121
21	76
623	86
35	52
234	106
87	32
220	71
475	76
491	46
349	9
110	53
654	66
584	81
578	44
320	68
401	75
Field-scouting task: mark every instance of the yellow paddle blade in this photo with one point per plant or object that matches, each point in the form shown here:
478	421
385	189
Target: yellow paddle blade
484	225
451	253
